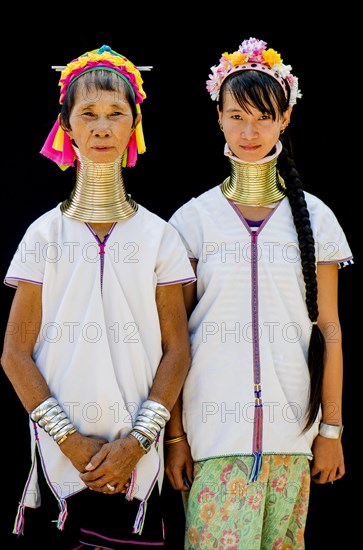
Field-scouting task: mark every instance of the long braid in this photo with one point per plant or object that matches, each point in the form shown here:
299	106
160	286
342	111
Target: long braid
300	213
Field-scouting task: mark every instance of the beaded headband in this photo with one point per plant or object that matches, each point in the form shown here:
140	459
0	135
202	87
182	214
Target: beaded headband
58	146
253	55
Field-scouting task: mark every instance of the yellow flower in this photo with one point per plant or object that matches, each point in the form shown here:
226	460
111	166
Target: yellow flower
193	535
235	58
208	511
271	57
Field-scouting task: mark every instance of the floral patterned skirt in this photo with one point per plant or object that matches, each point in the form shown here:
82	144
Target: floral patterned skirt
227	512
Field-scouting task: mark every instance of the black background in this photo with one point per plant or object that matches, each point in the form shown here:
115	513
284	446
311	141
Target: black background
185	157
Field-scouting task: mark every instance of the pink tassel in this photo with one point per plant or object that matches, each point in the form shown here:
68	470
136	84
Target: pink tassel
62	514
257	443
132	487
140	518
64	157
132	151
19	521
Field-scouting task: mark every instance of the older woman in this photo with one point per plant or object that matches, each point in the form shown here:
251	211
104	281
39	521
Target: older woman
99	292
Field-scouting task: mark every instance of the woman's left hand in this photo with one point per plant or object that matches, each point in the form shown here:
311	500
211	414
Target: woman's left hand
110	469
179	466
328	462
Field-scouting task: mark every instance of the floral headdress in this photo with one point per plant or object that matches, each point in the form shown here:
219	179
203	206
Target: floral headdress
58	146
253	55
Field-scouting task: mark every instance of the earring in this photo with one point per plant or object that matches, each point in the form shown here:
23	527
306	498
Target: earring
220	125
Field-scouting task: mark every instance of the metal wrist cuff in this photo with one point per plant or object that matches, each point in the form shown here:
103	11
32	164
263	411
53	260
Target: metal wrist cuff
64	422
62	439
49	415
156	417
331	431
63	431
158	408
53	421
154	426
43	408
146	430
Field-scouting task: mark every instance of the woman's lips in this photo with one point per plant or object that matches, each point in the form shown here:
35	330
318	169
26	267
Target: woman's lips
249	147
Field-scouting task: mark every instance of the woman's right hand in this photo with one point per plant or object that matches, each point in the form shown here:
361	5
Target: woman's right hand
179	463
80	449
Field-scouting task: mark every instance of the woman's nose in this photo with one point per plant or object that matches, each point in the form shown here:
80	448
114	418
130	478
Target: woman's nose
248	130
101	129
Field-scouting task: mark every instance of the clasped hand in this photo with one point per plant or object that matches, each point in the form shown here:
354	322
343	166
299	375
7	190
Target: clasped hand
105	466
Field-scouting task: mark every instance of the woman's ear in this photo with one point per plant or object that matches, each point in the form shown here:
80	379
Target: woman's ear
286	116
138	119
219	115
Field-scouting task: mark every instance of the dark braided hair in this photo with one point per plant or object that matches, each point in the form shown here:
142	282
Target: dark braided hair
254	89
295	194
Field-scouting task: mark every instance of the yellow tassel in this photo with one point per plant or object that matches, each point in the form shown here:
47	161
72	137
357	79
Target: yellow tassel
124	159
140	142
58	140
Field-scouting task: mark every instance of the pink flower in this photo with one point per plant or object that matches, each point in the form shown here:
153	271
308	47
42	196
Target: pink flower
230	540
205	495
225	473
279	484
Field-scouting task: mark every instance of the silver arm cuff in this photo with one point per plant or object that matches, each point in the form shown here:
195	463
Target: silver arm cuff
331	431
145	430
63	431
43	408
157	408
48	426
156	417
57	428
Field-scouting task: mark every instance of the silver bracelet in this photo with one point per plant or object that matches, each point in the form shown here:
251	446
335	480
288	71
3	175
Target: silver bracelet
151	419
145	429
52	422
50	416
150	422
331	431
63	431
153	415
157	408
43	408
58	427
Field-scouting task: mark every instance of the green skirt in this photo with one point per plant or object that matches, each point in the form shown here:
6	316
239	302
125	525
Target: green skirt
227	512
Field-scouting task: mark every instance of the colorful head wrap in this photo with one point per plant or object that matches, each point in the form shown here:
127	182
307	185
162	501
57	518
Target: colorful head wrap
58	146
253	55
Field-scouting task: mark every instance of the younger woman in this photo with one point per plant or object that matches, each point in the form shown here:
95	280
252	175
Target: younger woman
262	402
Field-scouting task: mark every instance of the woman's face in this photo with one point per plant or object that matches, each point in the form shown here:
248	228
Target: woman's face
250	135
101	123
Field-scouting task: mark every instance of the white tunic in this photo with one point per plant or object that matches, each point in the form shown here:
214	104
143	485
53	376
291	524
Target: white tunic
232	329
99	343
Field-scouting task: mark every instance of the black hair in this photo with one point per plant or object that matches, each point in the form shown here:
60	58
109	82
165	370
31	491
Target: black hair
261	91
100	79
